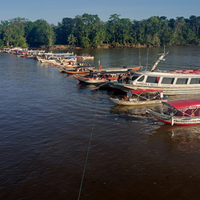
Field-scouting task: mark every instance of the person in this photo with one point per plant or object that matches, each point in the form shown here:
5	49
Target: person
127	80
119	78
129	94
126	98
147	96
193	111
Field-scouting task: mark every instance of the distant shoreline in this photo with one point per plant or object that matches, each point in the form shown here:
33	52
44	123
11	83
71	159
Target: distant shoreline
68	47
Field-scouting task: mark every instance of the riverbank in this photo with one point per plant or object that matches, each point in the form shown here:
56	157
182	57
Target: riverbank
106	46
67	47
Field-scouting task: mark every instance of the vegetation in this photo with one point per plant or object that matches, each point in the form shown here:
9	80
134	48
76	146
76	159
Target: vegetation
89	31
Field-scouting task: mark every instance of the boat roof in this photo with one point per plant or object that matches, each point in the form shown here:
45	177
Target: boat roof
144	91
171	74
184	103
113	69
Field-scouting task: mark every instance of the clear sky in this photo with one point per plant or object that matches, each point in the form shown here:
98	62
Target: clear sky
53	11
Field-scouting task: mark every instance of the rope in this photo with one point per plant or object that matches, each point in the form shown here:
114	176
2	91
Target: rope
88	151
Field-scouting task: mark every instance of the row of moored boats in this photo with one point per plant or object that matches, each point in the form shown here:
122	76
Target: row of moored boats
142	87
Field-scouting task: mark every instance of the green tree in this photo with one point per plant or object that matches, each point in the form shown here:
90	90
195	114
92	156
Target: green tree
65	29
113	28
78	29
1	43
43	33
29	33
7	32
140	29
125	30
71	39
13	32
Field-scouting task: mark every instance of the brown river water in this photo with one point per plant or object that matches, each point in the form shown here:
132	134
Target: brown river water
60	140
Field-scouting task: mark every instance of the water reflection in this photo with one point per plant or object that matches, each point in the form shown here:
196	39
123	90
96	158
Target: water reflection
68	75
82	86
182	138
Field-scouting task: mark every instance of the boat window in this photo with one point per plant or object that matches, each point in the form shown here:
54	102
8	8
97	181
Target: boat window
141	79
167	80
134	77
182	81
195	81
152	79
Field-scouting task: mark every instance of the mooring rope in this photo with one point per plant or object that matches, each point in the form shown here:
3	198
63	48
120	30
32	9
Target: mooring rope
88	150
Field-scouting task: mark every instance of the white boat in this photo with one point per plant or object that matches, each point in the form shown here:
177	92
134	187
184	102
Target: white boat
179	112
141	97
58	54
170	82
54	59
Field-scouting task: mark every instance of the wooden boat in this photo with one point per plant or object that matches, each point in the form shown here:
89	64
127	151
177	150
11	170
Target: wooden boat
141	97
105	75
179	112
170	82
96	79
70	64
79	70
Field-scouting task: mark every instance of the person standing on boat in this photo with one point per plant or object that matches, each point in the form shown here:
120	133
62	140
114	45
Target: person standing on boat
129	94
147	97
119	78
126	98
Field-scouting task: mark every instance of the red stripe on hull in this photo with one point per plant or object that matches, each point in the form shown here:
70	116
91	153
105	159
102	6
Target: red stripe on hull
167	122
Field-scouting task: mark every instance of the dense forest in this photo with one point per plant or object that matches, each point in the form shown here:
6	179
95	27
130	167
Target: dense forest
89	31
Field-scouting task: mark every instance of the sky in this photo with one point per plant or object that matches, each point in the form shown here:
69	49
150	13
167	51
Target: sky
53	11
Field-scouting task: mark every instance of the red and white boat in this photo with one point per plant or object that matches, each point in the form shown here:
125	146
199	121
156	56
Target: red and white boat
179	112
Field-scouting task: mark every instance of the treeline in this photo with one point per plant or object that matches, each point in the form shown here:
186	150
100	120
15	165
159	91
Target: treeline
89	31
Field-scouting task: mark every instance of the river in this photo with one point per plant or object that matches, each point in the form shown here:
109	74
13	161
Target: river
62	140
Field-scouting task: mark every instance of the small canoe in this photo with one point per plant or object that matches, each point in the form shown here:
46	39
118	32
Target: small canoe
135	102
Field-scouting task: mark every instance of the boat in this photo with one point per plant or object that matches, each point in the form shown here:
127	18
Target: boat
85	56
55	59
70	64
106	75
76	70
141	97
178	112
170	82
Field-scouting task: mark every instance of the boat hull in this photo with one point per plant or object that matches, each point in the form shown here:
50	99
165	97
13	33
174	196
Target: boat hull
175	120
167	90
91	81
76	72
136	102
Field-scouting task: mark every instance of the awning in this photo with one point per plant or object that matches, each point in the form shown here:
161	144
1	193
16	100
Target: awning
183	104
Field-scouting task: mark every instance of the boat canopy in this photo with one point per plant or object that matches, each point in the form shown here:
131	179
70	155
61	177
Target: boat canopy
138	91
184	104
